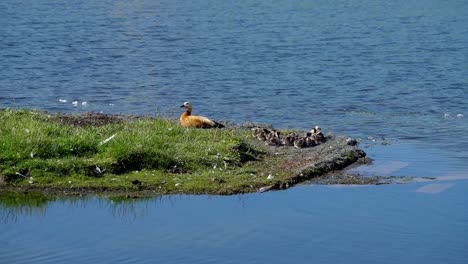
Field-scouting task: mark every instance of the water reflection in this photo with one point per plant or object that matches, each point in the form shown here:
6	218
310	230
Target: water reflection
411	160
14	205
435	188
128	209
304	222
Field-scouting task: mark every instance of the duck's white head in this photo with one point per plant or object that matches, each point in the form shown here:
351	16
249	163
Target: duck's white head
187	106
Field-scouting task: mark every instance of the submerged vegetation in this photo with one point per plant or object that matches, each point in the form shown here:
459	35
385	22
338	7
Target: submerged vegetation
96	152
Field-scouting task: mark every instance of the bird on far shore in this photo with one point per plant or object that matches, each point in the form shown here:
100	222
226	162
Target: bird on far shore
189	120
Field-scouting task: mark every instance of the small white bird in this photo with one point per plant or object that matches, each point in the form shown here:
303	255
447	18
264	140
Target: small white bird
62	100
75	103
84	103
459	115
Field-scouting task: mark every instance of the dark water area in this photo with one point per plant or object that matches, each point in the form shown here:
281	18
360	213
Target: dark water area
393	74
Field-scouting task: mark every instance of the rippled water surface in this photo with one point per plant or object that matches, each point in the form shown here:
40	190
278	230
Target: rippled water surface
412	223
388	72
372	68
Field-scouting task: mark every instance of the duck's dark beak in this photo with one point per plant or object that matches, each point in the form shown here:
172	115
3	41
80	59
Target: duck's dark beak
182	106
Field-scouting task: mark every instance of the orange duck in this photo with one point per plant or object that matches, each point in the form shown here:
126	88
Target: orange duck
189	120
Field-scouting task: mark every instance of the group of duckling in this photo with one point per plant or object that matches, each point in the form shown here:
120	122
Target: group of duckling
272	137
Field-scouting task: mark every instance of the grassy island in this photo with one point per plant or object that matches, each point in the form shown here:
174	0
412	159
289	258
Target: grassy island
75	154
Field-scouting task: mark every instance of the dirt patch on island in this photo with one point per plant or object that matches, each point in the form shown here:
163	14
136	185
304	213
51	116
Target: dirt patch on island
91	119
319	162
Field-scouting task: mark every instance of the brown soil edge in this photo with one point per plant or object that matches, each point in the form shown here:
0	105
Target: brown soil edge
322	164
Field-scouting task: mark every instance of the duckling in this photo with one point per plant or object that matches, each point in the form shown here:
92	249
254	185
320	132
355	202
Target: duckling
280	139
261	136
277	134
188	120
274	138
300	142
270	133
261	133
317	134
290	138
310	141
258	133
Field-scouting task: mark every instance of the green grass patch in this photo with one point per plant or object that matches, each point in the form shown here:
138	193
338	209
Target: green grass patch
75	154
143	153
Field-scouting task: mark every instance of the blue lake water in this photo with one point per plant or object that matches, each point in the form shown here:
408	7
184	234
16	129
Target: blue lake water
383	224
393	73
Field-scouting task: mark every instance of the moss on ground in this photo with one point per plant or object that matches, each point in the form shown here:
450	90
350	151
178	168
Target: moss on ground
96	152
